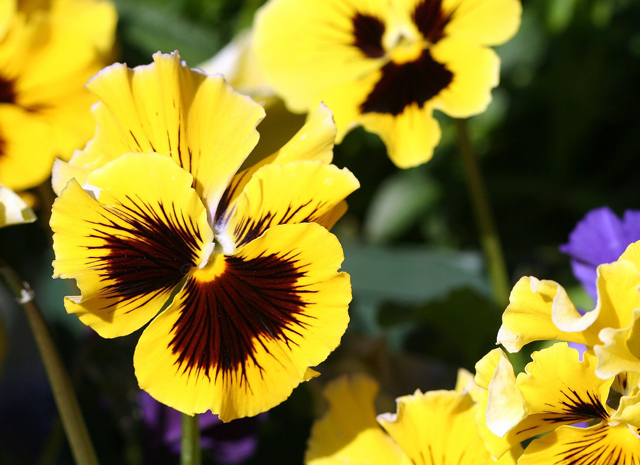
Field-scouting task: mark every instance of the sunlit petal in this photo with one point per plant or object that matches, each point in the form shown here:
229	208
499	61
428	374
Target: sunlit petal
598	445
128	250
171	109
296	192
349	432
13	210
244	330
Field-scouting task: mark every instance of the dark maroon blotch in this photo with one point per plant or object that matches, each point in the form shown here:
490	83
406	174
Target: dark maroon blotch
149	254
368	32
431	19
402	85
252	301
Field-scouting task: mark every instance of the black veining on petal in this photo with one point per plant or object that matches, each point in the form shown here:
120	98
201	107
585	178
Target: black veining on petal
223	321
368	32
147	250
431	19
574	408
249	229
595	447
401	85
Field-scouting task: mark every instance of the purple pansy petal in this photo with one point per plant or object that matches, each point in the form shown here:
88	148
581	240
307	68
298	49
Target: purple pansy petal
230	443
600	237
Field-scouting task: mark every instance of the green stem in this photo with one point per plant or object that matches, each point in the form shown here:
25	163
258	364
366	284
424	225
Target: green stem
190	450
65	398
489	239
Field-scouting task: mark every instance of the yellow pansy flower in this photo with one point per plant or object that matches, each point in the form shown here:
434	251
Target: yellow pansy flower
47	52
233	265
434	428
557	394
386	64
541	310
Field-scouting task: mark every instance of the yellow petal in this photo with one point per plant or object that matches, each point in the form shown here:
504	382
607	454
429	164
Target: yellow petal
410	137
437	428
493	372
170	109
314	141
296	192
13	210
128	249
597	445
475	70
241	334
348	432
560	389
299	43
486	22
628	411
25	156
619	350
541	310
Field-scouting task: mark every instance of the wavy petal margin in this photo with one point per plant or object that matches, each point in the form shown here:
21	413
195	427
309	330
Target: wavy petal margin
13	210
244	331
168	108
349	432
296	192
128	251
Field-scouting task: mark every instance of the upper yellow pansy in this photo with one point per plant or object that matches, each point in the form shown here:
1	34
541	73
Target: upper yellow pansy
159	222
47	52
386	64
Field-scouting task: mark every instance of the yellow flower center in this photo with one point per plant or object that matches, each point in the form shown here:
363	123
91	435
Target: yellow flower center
406	51
211	270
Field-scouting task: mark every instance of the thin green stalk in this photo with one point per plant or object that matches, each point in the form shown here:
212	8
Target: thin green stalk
190	445
489	239
65	398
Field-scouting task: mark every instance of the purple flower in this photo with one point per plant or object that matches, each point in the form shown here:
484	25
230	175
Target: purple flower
230	443
600	237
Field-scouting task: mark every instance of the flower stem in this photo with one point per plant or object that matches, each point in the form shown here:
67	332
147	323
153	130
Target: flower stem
190	445
65	398
489	239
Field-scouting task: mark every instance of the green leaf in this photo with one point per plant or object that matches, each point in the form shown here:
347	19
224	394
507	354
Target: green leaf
400	203
459	328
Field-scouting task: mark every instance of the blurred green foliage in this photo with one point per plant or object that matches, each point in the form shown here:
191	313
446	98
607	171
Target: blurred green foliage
561	136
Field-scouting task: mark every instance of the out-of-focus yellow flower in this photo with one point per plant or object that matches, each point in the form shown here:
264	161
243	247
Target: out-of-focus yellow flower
386	64
555	396
234	268
48	50
541	310
436	428
13	210
237	62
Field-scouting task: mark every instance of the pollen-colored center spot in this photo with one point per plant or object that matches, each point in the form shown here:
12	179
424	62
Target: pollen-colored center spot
406	51
212	270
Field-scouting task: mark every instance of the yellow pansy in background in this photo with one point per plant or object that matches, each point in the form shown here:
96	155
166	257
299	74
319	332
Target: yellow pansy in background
386	64
48	50
559	393
541	310
234	267
237	62
13	210
435	428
